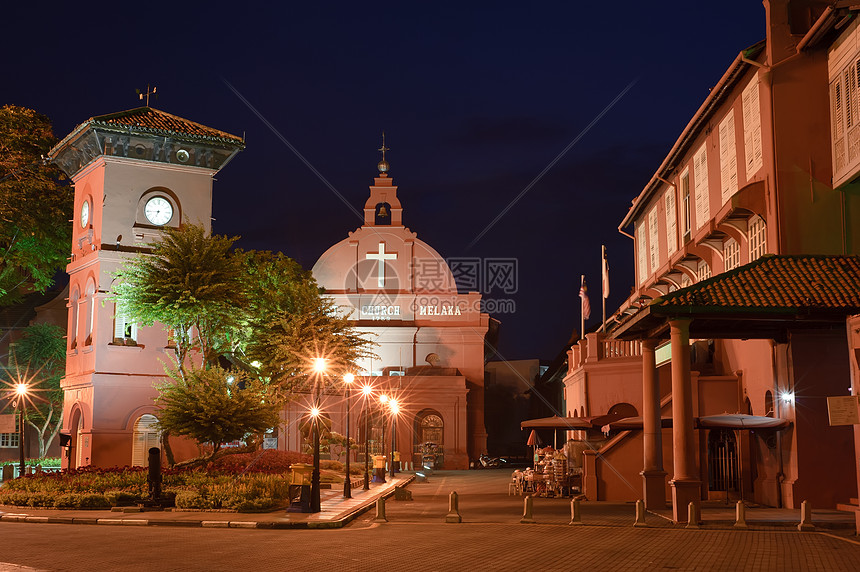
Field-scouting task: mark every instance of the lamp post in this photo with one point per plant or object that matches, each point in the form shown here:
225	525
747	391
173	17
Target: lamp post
395	409
383	401
347	484
20	392
319	369
365	390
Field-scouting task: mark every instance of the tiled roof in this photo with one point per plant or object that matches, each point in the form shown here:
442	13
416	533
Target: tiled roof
154	120
778	283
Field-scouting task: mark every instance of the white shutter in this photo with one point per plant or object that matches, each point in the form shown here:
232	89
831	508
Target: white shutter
653	242
752	128
144	437
642	256
728	158
700	184
118	323
671	222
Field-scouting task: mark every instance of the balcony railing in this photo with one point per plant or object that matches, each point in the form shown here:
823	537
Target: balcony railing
595	348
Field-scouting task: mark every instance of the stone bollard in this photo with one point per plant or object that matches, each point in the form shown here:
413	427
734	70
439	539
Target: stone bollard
805	518
380	510
575	516
693	515
740	516
528	517
453	515
640	514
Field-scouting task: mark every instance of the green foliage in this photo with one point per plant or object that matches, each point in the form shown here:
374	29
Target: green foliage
39	356
192	284
35	232
215	406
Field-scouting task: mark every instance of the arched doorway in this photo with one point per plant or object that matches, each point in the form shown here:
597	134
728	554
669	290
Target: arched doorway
429	428
723	474
144	438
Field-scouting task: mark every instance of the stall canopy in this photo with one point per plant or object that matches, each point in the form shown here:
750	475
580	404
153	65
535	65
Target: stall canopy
740	421
724	421
572	423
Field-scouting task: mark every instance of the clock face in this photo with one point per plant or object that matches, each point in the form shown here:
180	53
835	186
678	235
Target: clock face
85	214
158	211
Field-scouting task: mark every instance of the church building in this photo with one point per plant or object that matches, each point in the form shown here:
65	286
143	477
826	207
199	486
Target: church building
402	295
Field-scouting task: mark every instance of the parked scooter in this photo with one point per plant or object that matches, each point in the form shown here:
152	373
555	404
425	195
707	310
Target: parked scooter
487	462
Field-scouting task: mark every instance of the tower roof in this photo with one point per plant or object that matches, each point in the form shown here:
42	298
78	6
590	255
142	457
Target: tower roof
147	119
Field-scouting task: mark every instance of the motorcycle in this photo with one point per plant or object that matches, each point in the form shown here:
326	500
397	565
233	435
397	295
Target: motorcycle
487	462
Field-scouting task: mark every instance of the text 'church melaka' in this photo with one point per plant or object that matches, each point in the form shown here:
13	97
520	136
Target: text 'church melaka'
138	171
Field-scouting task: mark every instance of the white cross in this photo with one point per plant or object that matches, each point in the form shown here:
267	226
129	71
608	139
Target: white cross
381	256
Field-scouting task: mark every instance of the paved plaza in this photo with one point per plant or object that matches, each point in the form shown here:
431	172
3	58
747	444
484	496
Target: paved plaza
416	537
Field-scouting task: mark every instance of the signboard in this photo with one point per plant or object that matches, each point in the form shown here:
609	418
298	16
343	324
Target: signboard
843	410
7	424
270	443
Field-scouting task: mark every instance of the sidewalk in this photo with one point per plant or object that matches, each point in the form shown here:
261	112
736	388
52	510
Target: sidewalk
336	511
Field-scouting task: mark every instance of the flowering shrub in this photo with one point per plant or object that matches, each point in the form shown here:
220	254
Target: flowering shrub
268	461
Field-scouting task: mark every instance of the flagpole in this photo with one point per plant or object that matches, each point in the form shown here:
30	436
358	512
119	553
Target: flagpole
582	308
603	284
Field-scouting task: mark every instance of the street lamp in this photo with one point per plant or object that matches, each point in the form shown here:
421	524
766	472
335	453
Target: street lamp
383	400
395	409
347	484
20	392
319	369
366	390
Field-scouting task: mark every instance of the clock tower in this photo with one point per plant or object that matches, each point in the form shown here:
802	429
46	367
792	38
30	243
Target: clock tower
135	173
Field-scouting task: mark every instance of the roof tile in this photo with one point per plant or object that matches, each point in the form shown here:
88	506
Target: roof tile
156	120
777	282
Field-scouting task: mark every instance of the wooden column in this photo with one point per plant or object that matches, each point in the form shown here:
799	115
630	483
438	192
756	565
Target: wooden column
686	486
653	475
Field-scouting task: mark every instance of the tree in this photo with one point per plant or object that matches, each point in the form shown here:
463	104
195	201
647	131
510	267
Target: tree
191	283
35	206
39	358
293	340
214	406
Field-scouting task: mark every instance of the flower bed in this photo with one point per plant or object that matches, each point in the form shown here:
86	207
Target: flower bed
232	484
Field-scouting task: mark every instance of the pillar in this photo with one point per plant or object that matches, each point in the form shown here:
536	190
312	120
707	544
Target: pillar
653	475
686	486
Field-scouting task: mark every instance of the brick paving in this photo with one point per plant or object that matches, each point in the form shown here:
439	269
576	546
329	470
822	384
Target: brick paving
490	537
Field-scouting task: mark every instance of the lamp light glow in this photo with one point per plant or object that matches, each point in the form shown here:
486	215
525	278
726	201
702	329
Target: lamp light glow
348	378
787	396
21	388
395	407
319	365
315	411
366	390
383	398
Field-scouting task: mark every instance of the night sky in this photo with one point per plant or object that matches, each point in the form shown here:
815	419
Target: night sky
475	101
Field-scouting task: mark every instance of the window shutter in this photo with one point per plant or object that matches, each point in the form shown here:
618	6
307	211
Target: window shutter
653	242
118	323
752	128
728	158
700	184
671	222
642	256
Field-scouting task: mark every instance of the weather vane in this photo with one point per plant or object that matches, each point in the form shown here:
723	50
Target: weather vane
383	165
149	92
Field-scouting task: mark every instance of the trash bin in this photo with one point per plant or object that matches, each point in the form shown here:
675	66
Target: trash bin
301	473
300	487
379	468
396	462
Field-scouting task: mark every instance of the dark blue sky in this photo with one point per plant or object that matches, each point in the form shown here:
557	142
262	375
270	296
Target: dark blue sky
475	102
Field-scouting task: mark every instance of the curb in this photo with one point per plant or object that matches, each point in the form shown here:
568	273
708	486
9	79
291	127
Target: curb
246	524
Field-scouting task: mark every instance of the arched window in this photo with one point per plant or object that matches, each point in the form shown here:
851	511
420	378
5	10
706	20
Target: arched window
768	404
757	237
144	438
623	409
80	459
90	312
74	300
703	272
731	254
429	428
